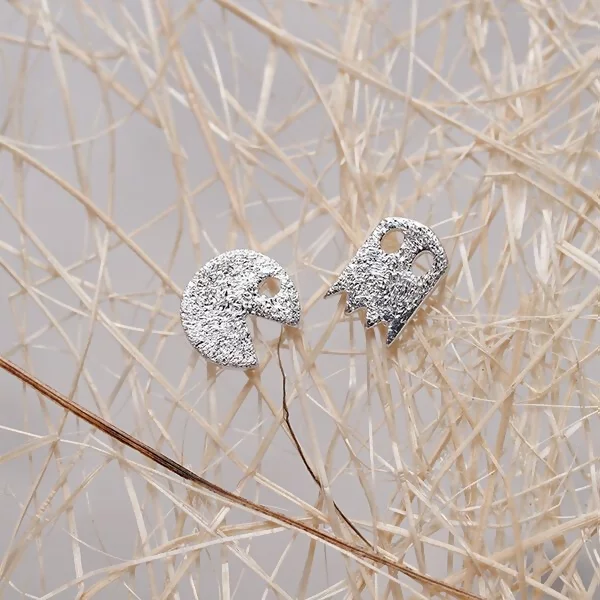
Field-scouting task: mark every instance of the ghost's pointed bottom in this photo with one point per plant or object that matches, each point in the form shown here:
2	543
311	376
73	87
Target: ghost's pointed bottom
394	329
336	288
397	325
372	318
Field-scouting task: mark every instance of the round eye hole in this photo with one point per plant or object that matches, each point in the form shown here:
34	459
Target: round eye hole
391	242
269	287
422	263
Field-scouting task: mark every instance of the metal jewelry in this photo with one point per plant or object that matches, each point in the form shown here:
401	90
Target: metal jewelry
217	301
383	283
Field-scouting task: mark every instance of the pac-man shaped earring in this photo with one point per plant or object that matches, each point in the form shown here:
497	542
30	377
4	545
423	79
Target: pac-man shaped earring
384	283
217	301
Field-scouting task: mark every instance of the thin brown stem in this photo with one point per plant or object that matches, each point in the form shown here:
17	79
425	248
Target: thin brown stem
174	467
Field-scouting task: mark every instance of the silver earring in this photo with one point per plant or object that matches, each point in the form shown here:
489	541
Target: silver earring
217	301
384	283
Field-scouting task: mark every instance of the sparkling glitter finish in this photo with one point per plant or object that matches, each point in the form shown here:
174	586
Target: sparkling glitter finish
384	283
218	300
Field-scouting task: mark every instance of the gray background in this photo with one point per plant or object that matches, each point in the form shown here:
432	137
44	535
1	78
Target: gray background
32	112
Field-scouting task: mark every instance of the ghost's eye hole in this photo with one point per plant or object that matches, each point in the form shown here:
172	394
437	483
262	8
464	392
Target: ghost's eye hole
422	263
391	242
269	287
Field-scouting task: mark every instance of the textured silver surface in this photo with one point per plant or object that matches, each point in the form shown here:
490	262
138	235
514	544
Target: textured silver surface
217	301
384	283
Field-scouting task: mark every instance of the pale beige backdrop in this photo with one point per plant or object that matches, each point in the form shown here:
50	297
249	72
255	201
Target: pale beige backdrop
138	138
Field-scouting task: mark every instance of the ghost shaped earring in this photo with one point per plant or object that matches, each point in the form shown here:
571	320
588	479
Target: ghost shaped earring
384	283
217	301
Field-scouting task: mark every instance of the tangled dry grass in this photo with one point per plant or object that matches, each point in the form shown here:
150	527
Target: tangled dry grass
139	139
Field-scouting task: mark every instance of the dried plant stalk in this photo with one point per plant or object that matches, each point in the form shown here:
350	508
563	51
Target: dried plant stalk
140	139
